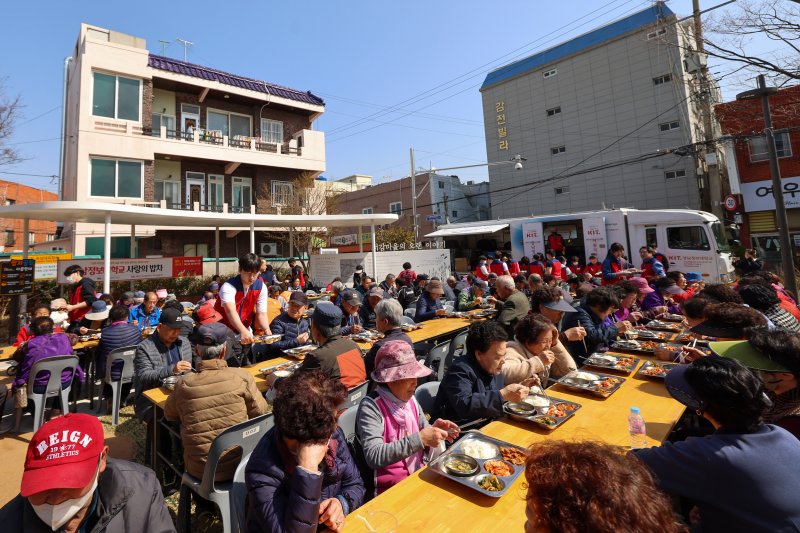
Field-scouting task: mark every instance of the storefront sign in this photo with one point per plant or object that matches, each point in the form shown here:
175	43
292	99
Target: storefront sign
46	264
16	277
758	194
134	269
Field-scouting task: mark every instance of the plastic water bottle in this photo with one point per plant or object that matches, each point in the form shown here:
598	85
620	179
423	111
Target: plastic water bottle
637	429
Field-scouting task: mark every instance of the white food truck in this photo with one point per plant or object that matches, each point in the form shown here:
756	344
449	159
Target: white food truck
694	241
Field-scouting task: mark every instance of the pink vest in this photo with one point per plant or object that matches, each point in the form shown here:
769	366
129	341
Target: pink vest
394	473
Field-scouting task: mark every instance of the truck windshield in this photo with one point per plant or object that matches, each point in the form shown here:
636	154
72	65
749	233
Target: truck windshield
719	236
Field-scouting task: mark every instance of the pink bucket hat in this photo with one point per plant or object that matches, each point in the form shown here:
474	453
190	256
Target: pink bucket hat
641	285
396	360
162	294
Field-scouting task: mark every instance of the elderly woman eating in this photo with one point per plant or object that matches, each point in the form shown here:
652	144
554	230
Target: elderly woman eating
301	474
391	426
536	352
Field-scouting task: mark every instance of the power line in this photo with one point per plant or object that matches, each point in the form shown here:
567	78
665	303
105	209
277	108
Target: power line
38	116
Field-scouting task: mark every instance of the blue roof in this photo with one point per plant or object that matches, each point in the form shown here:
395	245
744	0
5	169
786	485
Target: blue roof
198	71
601	35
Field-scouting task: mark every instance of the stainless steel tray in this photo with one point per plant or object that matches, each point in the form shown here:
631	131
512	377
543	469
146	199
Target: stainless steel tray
643	372
472	481
542	412
595	360
660	325
591	387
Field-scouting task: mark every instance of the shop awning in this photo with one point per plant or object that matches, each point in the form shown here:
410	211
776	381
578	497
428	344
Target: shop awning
467	230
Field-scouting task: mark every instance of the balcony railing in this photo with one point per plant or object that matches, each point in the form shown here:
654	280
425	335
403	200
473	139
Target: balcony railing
215	137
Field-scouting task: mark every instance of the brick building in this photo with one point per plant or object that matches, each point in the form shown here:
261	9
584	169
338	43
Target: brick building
749	169
38	231
145	129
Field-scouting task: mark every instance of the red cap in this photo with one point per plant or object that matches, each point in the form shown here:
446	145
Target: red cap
206	313
63	454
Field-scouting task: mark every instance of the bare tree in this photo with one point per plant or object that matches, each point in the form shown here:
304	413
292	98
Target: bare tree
730	36
306	196
10	108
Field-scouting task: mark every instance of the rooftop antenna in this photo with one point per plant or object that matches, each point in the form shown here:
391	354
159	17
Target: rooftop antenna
164	45
185	49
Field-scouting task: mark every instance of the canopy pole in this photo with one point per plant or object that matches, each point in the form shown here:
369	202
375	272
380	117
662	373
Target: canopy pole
252	236
374	254
23	299
133	246
216	249
360	242
107	256
291	242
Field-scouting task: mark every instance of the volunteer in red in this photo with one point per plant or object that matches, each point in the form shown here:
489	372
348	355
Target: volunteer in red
555	241
593	267
481	270
243	299
81	295
553	266
614	269
408	275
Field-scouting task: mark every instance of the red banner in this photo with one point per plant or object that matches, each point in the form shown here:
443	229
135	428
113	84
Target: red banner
187	266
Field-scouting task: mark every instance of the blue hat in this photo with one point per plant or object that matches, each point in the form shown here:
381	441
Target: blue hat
98	311
679	388
692	277
212	334
327	314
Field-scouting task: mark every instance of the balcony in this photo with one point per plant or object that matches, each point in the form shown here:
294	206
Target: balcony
305	151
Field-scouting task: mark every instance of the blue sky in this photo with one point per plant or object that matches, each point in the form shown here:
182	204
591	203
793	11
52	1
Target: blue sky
361	57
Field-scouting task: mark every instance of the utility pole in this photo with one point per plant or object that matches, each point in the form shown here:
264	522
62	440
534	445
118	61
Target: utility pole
704	88
414	198
787	262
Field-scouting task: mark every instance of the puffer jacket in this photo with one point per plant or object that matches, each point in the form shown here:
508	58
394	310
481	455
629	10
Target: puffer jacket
129	500
208	402
598	334
279	501
520	364
290	329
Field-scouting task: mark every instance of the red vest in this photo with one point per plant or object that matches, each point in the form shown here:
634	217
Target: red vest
513	268
555	270
555	242
245	302
647	271
614	268
536	268
497	268
593	269
480	274
75	298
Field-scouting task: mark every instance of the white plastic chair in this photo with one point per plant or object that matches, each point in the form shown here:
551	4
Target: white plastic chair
55	365
426	395
126	355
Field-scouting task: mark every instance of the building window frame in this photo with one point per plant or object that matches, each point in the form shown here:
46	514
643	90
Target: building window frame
117	77
11	238
271	131
553	111
242	184
783	146
550	73
366	210
174	185
564	189
655	34
556	150
281	193
674	174
664	78
116	177
229	114
396	208
669	126
216	184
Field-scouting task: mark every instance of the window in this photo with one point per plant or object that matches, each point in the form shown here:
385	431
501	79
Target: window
169	191
281	193
673	174
216	190
49	237
242	194
116	178
230	124
659	80
9	237
656	34
650	237
441	184
558	150
455	213
115	97
168	121
759	148
562	190
667	126
366	211
396	208
10	202
687	238
31	237
554	111
195	250
549	73
271	131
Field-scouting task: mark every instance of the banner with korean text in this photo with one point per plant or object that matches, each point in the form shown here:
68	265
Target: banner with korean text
135	269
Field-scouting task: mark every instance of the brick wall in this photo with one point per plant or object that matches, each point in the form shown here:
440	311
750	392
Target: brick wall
147	104
22	194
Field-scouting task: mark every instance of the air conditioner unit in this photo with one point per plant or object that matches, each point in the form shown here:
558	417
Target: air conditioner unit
269	249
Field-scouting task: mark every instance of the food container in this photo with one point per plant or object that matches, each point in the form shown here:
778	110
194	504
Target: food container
474	441
689	337
549	416
300	352
267	339
639	346
459	464
266	371
646	334
609	361
660	325
410	327
537	400
655	369
603	385
169	382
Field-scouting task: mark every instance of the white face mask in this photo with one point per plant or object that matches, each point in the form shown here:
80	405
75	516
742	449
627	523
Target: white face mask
57	515
59	317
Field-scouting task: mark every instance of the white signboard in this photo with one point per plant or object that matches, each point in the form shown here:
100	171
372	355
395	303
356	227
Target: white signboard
326	267
594	236
532	238
758	194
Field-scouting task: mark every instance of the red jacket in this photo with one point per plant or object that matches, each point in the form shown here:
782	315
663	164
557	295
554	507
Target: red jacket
513	268
480	274
497	268
83	291
593	269
555	242
245	302
536	268
555	268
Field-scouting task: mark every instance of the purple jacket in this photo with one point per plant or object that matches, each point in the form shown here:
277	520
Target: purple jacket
654	299
282	502
41	347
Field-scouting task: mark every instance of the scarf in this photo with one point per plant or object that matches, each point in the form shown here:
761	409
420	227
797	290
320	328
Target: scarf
402	414
787	404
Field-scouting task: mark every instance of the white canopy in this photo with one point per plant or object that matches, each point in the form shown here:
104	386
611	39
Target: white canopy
466	230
